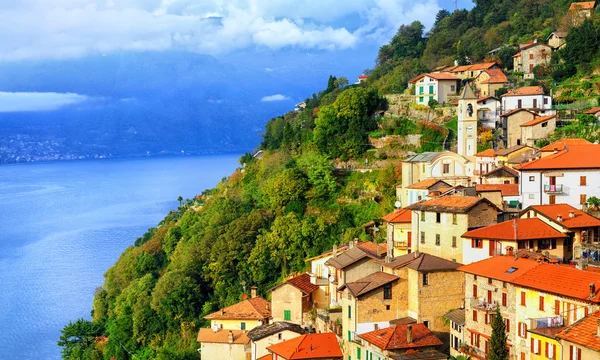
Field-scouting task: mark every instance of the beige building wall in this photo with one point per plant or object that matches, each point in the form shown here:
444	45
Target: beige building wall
287	297
586	353
372	307
534	56
514	127
236	324
398	234
529	134
223	351
259	348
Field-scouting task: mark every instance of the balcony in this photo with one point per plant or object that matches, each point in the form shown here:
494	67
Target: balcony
401	245
480	304
553	189
473	352
547	322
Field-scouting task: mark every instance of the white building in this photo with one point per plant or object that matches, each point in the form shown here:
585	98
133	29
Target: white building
570	176
488	111
467	124
527	97
436	86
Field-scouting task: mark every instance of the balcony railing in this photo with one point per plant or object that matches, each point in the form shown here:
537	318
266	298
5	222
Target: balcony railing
472	351
553	189
482	305
401	245
547	322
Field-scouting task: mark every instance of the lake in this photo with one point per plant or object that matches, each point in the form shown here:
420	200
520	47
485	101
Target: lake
65	223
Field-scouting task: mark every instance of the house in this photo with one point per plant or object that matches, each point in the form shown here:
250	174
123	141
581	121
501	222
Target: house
488	110
582	339
293	299
216	343
579	11
489	81
399	232
485	161
421	190
557	40
569	176
500	195
507	237
560	145
362	79
322	346
501	175
439	223
456	318
511	126
527	97
300	106
594	111
245	315
530	56
399	340
434	86
539	128
515	155
471	71
270	334
581	228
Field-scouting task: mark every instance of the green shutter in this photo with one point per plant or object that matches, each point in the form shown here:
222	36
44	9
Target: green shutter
421	99
287	315
358	353
349	336
349	312
430	98
421	90
431	89
243	326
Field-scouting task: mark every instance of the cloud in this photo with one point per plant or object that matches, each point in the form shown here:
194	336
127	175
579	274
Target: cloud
276	97
62	29
37	101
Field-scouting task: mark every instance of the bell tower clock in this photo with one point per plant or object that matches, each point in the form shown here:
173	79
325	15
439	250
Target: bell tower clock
467	123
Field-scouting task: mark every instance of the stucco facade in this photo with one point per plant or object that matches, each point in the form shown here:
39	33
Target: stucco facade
288	304
511	126
428	88
244	324
540	187
259	347
223	351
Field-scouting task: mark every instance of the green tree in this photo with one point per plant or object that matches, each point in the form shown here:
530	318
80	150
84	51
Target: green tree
582	44
246	159
341	82
77	339
498	346
320	175
180	199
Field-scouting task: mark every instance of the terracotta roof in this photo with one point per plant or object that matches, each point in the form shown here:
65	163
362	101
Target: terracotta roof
574	157
584	5
266	357
450	204
581	219
535	44
436	76
496	267
593	110
426	184
222	336
265	330
371	248
525	91
420	355
255	308
457	316
368	283
505	189
401	216
584	332
486	153
309	346
362	76
301	282
538	120
512	149
511	171
561	280
496	77
473	67
517	54
516	230
394	337
562	143
486	98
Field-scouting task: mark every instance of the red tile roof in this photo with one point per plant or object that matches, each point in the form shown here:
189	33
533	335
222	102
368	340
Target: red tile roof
584	5
496	267
451	204
394	337
516	230
525	91
581	219
562	143
593	110
436	76
374	249
505	189
255	308
538	120
401	216
496	77
222	336
309	346
584	332
266	357
301	282
425	184
473	67
573	157
486	153
362	76
561	280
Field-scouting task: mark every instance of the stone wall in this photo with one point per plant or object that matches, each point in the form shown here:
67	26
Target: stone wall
396	140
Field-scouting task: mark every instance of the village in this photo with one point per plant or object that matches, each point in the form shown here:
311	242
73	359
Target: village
513	229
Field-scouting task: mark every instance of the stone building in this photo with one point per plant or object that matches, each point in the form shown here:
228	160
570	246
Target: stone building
557	40
539	128
501	175
293	300
489	81
511	126
530	56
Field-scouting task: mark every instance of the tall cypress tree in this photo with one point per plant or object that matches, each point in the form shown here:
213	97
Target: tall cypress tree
498	346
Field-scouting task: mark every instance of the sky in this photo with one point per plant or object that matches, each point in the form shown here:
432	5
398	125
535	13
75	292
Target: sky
282	39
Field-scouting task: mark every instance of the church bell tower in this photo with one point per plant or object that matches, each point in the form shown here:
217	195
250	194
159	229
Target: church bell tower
467	123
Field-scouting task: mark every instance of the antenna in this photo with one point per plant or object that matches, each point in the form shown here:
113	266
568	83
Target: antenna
455	5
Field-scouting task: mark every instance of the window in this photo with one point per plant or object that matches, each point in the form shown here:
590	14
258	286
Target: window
545	100
358	353
431	89
518	141
489	296
583	180
453	88
437	240
474	290
535	346
430	98
532	178
454	219
541	303
507	324
556	307
243	326
454	241
387	291
531	196
425	279
523	330
545	124
519	103
438	218
582	199
349	312
530	56
477	243
550	351
530	68
420	99
422	215
534	103
349	335
504	299
387	307
523	303
474	315
552	199
426	323
446	168
422	237
490	281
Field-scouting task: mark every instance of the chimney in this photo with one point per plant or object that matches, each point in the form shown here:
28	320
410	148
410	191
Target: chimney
556	150
253	292
409	338
592	290
351	244
416	254
559	218
230	337
571	214
334	250
376	326
222	312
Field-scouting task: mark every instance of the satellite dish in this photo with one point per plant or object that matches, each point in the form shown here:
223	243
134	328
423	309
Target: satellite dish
397	204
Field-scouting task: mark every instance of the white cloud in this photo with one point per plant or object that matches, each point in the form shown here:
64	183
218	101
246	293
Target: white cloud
73	28
37	101
276	97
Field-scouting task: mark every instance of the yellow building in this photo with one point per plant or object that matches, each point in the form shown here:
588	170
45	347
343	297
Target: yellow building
399	232
516	154
221	344
581	340
245	315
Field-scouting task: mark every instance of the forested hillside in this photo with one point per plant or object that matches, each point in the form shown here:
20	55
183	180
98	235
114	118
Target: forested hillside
259	224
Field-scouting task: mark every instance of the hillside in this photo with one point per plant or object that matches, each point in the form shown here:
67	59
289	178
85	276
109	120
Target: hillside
318	182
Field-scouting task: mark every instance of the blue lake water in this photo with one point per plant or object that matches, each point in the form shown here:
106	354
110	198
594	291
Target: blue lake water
64	224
